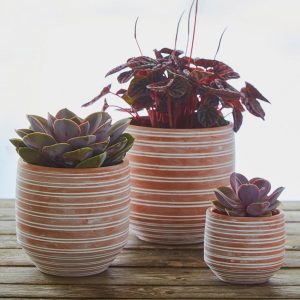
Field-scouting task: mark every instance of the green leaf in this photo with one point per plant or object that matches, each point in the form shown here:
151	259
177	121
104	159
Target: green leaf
56	150
93	162
31	156
38	140
78	155
17	143
81	141
22	132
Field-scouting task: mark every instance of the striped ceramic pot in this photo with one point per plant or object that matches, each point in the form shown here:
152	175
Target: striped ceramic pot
244	250
173	174
72	222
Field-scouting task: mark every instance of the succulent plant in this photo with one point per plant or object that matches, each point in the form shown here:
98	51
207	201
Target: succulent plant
68	141
247	198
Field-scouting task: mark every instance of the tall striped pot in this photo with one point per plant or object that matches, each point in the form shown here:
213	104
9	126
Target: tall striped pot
72	222
173	174
244	250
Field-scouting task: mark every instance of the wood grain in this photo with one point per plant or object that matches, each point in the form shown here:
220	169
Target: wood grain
136	276
149	292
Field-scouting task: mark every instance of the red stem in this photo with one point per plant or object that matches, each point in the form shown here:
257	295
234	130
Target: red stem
194	29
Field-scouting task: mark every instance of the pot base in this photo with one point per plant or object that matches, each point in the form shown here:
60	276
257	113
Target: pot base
73	273
165	241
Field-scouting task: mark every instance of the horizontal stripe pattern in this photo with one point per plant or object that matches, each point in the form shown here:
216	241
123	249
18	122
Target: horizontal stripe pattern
173	175
72	222
246	250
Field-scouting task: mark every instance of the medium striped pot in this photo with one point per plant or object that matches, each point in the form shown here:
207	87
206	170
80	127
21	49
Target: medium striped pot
244	250
173	174
72	222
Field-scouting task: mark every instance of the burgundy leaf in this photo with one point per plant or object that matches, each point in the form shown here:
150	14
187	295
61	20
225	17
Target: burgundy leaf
253	92
237	179
104	92
160	86
257	209
248	193
254	107
223	93
274	196
237	119
125	76
116	69
170	51
121	92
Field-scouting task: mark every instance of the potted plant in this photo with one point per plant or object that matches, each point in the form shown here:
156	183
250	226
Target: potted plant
244	232
184	146
72	206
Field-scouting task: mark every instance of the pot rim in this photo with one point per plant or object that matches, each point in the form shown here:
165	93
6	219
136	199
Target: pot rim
145	128
212	211
106	169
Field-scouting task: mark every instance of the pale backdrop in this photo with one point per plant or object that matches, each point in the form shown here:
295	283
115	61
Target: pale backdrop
54	54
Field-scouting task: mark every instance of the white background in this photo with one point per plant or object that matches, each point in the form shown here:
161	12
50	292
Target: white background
54	54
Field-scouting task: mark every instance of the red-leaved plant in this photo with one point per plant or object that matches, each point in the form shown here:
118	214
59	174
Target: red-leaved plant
179	91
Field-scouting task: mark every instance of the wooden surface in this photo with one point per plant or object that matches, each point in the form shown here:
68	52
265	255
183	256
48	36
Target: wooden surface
143	271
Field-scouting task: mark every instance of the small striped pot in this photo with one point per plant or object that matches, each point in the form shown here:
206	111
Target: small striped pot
244	250
173	174
72	222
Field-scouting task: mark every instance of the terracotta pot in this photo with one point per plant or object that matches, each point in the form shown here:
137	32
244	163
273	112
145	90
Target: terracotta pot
173	174
72	222
244	250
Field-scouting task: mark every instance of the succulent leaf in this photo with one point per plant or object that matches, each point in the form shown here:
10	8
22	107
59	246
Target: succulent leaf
237	179
64	114
99	147
93	162
78	155
56	150
84	128
81	141
31	156
65	129
274	196
94	120
38	140
248	193
224	195
37	124
117	129
264	187
257	209
22	132
17	143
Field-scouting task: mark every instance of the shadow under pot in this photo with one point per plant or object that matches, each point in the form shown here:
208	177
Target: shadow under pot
244	250
72	222
173	174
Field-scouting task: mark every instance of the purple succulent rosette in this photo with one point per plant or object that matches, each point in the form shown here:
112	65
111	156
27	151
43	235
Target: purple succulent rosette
68	141
247	198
